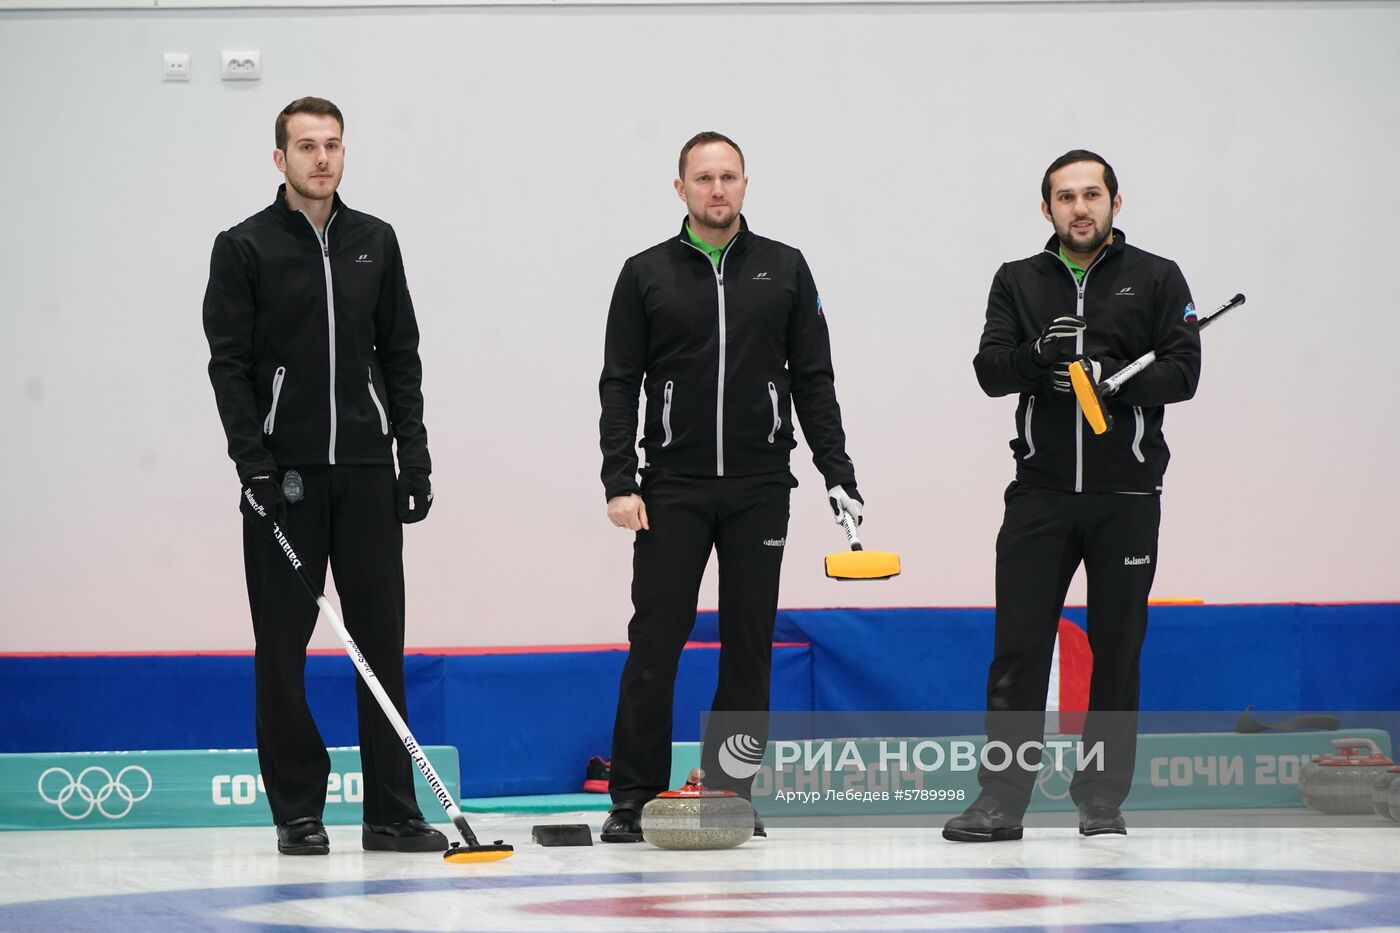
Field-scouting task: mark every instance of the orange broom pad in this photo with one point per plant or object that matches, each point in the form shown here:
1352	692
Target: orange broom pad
862	565
1090	401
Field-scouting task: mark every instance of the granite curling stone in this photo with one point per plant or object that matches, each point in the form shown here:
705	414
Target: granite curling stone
1341	784
1381	792
696	817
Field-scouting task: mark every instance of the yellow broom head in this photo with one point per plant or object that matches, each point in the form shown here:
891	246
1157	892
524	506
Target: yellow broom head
460	854
1090	401
862	565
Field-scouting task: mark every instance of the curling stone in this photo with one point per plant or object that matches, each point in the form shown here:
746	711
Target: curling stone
1380	792
1341	783
696	817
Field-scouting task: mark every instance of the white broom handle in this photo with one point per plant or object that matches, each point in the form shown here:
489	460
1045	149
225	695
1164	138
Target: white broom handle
372	682
849	523
1112	383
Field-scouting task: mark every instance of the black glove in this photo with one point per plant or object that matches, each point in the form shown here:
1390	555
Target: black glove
1057	339
413	483
262	501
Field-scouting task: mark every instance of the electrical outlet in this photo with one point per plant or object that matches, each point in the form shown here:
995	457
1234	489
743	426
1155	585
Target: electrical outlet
242	66
176	66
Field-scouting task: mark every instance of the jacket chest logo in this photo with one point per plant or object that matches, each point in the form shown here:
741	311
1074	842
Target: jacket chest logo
363	257
1125	292
763	277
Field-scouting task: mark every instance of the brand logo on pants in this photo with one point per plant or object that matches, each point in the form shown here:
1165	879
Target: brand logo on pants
740	756
1137	561
775	542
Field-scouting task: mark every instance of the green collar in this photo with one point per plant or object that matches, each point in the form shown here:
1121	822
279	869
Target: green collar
716	253
1074	267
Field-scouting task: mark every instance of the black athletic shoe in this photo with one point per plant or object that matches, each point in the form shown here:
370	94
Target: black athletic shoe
759	829
595	780
622	825
305	835
1097	819
984	821
411	835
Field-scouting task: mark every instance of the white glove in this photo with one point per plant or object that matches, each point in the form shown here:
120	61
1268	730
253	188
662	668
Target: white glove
842	502
1059	374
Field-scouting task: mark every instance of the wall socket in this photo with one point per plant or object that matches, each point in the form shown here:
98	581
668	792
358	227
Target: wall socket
241	66
175	66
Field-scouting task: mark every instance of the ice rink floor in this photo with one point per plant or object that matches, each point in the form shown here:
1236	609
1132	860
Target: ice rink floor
799	879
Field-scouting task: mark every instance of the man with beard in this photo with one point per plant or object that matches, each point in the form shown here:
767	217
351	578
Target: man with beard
314	360
1077	497
724	331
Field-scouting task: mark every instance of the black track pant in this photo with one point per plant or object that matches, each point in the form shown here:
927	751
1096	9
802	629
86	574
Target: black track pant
1044	537
348	517
744	519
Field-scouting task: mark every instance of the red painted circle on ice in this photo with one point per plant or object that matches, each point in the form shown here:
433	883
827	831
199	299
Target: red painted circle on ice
670	906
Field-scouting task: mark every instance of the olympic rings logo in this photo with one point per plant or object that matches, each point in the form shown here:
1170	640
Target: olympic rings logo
94	789
1048	773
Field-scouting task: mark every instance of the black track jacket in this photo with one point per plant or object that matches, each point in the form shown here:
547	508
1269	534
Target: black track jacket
723	355
314	350
1132	302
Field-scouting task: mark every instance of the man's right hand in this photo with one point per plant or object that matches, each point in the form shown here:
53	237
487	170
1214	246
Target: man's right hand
628	512
1057	339
262	501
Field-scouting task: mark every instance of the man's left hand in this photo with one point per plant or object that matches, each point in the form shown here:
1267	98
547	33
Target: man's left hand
414	494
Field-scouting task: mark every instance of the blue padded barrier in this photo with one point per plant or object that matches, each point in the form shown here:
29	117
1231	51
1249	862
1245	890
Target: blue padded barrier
527	722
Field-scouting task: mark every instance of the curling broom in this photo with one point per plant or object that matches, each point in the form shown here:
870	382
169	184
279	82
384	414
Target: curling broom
858	563
1091	394
474	850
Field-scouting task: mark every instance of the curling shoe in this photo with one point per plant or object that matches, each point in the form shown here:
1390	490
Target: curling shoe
598	775
1098	819
305	835
759	829
411	835
623	824
984	821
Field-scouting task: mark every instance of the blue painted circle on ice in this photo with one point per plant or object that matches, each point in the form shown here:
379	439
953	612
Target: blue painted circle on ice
200	908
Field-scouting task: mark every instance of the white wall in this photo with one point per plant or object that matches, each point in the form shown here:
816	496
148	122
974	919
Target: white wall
523	153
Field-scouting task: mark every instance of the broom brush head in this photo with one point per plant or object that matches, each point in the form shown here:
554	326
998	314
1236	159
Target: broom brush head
1090	396
862	565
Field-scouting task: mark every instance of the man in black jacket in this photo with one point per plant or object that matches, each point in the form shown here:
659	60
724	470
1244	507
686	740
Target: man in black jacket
1078	497
314	360
724	332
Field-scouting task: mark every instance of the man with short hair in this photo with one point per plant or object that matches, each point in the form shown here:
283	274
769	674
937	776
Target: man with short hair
314	361
723	331
1077	497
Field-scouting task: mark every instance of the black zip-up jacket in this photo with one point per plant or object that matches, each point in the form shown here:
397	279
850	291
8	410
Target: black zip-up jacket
1132	302
724	355
301	379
